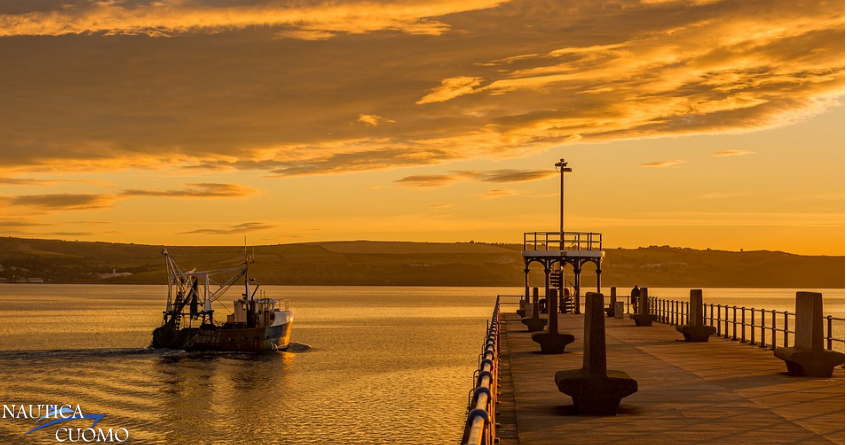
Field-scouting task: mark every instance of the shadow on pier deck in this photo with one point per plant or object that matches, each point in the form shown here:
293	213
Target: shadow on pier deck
708	393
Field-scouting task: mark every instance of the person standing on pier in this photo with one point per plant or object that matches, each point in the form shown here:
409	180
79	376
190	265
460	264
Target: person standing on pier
633	298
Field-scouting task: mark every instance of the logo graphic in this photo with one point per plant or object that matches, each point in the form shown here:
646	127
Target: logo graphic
57	414
61	413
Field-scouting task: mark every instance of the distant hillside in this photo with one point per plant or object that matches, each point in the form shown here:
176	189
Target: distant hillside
409	264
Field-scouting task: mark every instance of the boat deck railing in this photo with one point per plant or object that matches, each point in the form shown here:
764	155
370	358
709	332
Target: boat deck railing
562	241
479	427
756	326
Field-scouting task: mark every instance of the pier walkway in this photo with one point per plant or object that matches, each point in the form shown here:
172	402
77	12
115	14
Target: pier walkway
688	393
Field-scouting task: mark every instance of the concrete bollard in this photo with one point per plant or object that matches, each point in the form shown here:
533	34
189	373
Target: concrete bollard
551	341
534	323
524	303
695	330
613	298
594	389
808	357
619	310
643	317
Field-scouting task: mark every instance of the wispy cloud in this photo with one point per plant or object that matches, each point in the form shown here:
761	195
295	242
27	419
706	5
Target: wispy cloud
496	176
428	180
451	88
229	230
512	175
724	153
36	181
63	201
664	164
197	190
372	119
316	20
499	193
15	225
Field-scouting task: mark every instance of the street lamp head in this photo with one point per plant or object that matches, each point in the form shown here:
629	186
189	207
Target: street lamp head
567	170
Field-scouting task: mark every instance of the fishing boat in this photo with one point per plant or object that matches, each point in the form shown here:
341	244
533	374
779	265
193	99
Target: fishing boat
257	323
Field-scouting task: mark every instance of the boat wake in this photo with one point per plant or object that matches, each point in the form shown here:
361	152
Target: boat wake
110	352
78	352
298	347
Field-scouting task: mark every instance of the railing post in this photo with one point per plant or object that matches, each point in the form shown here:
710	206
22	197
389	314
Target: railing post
773	329
763	345
734	323
712	317
680	317
718	321
753	341
679	309
829	332
785	325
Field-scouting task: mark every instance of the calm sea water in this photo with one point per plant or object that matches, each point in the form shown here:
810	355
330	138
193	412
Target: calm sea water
383	364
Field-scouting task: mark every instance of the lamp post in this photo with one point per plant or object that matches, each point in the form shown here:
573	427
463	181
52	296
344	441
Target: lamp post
562	167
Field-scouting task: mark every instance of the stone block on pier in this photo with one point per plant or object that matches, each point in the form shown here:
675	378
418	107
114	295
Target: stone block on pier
551	341
643	317
807	357
594	389
695	330
534	324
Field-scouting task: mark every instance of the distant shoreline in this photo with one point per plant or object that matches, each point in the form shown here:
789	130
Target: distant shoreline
626	287
368	263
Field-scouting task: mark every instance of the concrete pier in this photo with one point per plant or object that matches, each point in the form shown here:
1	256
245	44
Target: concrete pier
711	393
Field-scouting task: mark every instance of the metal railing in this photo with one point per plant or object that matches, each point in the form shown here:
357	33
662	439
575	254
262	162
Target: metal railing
480	424
757	327
562	241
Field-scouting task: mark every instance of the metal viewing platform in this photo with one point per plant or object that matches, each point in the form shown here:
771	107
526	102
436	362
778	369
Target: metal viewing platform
555	250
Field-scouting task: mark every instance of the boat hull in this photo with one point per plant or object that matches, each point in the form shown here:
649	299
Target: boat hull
223	338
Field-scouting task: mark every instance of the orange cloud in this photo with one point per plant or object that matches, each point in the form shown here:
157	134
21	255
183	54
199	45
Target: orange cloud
229	230
498	176
198	190
500	85
451	88
664	164
372	119
724	153
499	193
316	20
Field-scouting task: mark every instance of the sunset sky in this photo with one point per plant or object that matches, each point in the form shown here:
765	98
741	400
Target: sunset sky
695	123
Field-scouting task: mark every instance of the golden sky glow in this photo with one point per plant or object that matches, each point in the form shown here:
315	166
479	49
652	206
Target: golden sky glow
691	123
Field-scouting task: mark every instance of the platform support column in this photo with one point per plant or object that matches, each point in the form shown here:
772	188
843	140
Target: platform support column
547	285
576	271
599	271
